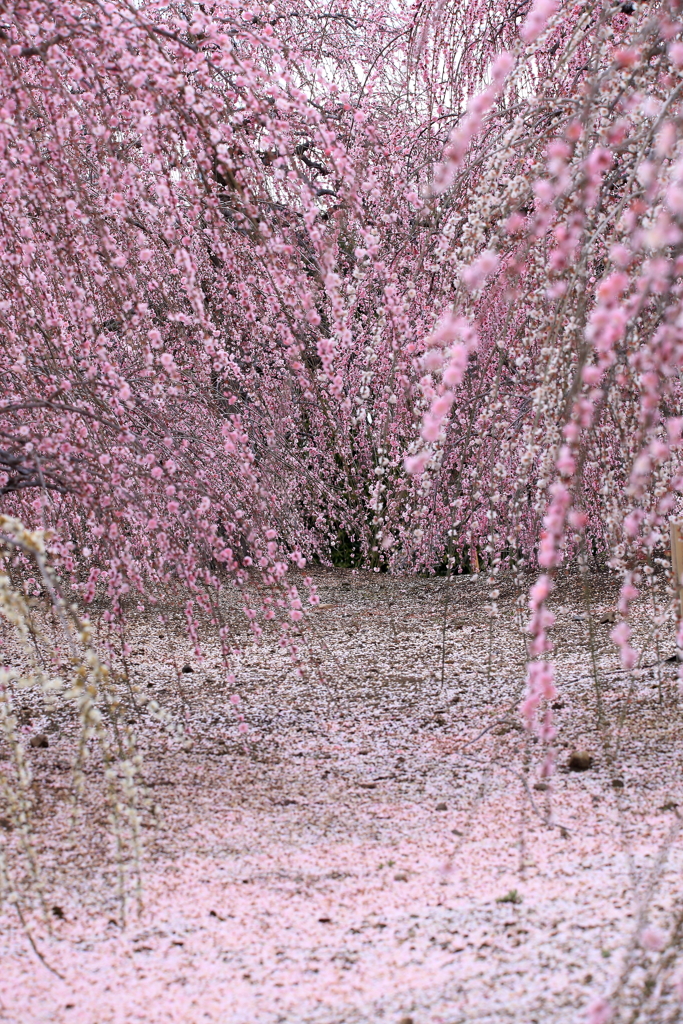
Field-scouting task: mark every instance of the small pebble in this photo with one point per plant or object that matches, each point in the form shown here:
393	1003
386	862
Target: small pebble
441	806
187	668
40	740
579	761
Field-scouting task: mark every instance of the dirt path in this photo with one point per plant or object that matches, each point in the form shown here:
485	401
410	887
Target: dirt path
380	847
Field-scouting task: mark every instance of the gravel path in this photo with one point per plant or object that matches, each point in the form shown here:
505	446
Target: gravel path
380	845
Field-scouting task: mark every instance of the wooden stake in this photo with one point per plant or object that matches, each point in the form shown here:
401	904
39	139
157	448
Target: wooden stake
676	528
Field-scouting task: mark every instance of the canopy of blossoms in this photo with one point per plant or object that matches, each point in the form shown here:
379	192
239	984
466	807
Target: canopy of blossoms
395	284
405	279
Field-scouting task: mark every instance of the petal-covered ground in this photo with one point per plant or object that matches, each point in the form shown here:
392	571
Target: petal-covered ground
380	845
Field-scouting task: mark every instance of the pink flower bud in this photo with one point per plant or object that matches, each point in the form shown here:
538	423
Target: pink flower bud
537	19
676	54
475	275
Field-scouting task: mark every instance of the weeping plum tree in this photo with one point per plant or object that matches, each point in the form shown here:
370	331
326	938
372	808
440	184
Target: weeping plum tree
402	276
405	276
273	275
270	276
